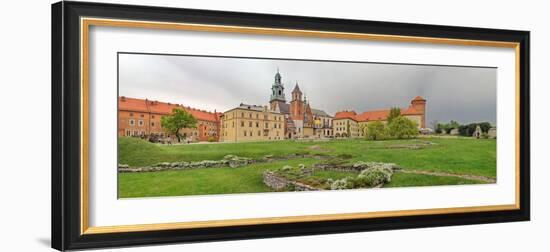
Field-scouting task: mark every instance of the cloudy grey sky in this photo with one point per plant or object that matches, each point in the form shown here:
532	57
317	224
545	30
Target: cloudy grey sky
465	94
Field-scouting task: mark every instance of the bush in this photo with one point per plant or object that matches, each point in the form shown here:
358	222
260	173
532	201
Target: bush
376	174
339	184
402	127
377	130
211	139
373	176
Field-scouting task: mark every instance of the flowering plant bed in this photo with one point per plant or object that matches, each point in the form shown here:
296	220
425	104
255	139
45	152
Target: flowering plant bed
301	178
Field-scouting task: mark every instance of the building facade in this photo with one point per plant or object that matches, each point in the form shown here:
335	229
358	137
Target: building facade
350	124
322	125
346	125
300	118
252	123
280	120
142	118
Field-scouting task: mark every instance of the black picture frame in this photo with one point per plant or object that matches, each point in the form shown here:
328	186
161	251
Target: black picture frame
66	156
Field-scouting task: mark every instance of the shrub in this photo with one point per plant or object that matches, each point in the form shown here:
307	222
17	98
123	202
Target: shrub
211	139
376	131
402	127
376	174
339	184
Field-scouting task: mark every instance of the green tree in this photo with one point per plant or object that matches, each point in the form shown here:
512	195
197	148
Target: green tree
402	127
394	113
485	126
376	131
452	125
179	119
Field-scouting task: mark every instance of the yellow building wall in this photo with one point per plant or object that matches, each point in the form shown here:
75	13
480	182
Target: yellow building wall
308	132
340	126
242	125
415	118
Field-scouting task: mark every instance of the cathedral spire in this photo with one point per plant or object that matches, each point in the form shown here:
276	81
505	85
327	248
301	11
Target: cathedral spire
297	89
277	89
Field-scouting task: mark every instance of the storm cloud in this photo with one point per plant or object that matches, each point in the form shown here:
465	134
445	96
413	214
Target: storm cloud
464	94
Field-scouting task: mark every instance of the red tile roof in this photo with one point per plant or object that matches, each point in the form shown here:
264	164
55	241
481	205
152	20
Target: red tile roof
345	115
419	98
410	111
163	108
377	115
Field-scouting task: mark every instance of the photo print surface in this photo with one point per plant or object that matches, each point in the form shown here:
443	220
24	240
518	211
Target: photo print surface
200	125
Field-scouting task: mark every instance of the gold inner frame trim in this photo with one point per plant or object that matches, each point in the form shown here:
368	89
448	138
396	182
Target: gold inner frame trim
86	23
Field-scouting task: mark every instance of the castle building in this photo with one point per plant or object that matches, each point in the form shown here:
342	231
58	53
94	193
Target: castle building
141	117
300	118
280	120
322	125
252	123
350	124
345	124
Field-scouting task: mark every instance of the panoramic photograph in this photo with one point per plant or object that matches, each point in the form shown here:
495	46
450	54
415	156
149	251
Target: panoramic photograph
204	125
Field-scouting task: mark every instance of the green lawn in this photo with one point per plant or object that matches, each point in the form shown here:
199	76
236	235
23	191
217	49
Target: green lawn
460	155
407	179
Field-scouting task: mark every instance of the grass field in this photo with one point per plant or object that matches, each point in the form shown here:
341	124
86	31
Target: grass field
459	156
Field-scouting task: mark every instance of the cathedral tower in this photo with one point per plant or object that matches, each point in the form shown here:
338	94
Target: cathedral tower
277	91
419	104
296	105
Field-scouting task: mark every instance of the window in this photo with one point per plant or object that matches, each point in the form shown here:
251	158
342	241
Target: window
153	116
242	114
267	125
259	133
257	116
140	122
141	115
131	122
257	124
250	115
153	124
128	133
250	124
242	123
245	133
131	114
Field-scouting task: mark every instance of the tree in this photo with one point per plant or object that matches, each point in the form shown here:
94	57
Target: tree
452	125
463	130
434	124
402	127
441	128
485	126
394	112
179	119
376	131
